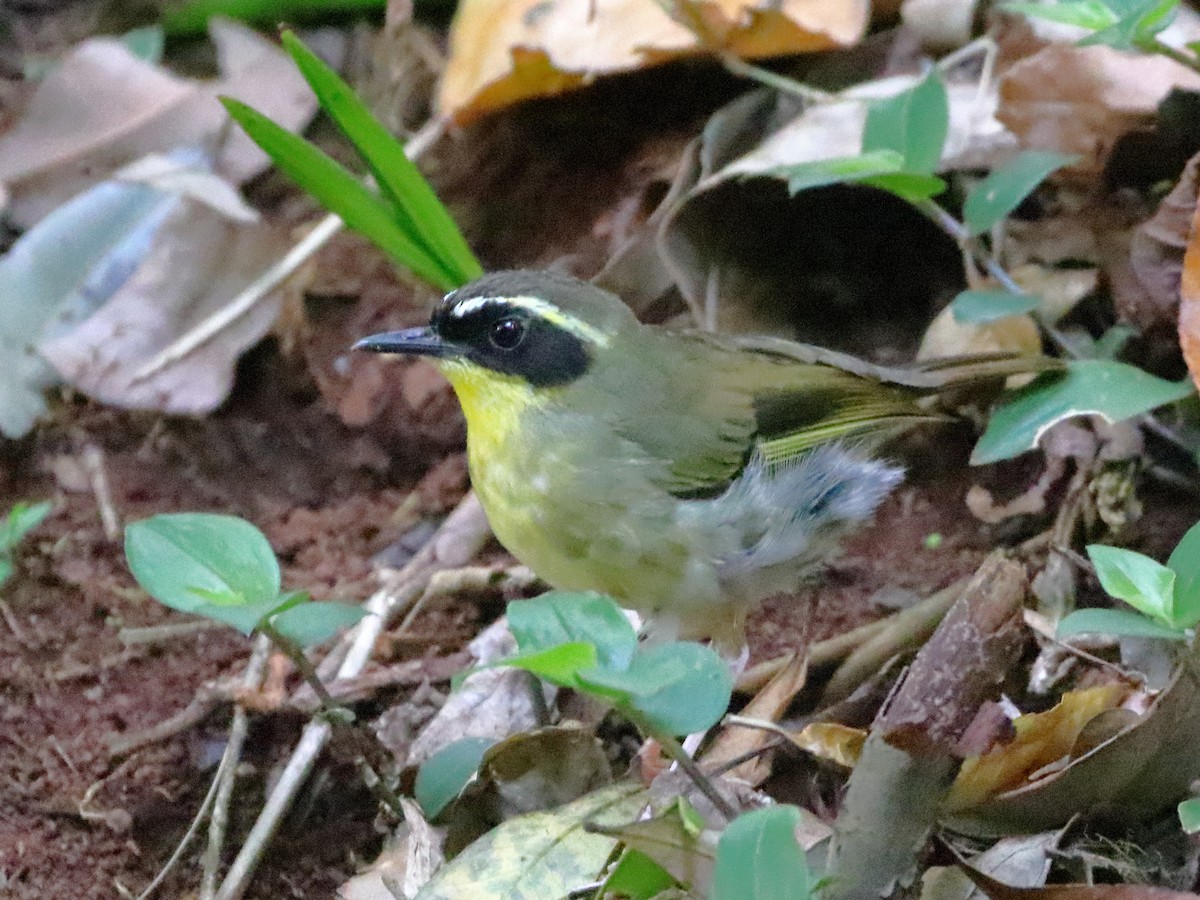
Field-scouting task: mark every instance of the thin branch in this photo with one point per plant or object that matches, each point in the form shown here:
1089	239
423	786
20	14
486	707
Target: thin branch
227	773
456	542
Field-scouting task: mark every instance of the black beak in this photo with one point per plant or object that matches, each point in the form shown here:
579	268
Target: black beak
413	341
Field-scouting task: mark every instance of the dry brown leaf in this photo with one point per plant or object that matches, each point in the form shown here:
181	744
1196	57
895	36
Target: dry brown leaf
769	704
1042	739
503	51
1080	100
103	108
1156	253
832	741
998	890
199	261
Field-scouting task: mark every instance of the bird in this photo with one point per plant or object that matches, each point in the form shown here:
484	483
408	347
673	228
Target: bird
687	475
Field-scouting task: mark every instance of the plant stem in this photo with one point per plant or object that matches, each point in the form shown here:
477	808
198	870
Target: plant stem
675	750
332	712
1172	53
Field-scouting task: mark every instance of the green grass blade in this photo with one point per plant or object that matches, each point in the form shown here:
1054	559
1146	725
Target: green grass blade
339	191
418	207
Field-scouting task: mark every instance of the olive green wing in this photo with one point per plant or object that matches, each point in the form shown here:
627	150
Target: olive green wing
721	404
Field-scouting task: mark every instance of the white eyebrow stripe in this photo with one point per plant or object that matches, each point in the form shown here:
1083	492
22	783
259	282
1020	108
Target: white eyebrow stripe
464	308
538	307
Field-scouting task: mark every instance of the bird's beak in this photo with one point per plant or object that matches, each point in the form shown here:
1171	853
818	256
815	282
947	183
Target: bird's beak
412	341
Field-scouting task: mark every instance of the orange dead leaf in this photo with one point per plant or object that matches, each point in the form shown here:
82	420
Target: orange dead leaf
503	51
1042	738
1189	302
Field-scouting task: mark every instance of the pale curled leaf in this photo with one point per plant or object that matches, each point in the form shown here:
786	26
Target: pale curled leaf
198	262
58	273
104	107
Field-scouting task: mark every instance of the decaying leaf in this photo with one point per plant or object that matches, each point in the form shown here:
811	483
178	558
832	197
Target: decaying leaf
541	855
402	869
677	841
103	108
1080	100
1156	254
197	262
503	51
542	769
1136	772
1041	739
494	703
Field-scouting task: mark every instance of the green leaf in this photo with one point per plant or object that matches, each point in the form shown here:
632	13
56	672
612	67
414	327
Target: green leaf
909	186
418	210
838	170
1139	23
1185	563
6	569
185	560
1144	584
191	17
1112	390
561	617
1124	622
245	617
637	877
1004	188
22	519
559	665
677	688
307	624
340	192
978	307
1189	815
759	858
1090	14
442	777
913	123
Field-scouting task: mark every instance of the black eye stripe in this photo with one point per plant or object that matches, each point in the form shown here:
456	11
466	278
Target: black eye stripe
511	340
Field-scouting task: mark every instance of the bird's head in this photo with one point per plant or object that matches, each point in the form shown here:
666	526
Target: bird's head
510	337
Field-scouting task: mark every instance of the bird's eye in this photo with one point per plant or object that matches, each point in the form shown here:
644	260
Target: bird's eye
507	334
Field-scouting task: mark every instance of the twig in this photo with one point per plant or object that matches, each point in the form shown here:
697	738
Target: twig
157	634
93	463
822	653
458	539
273	277
227	772
13	625
186	839
675	750
905	629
